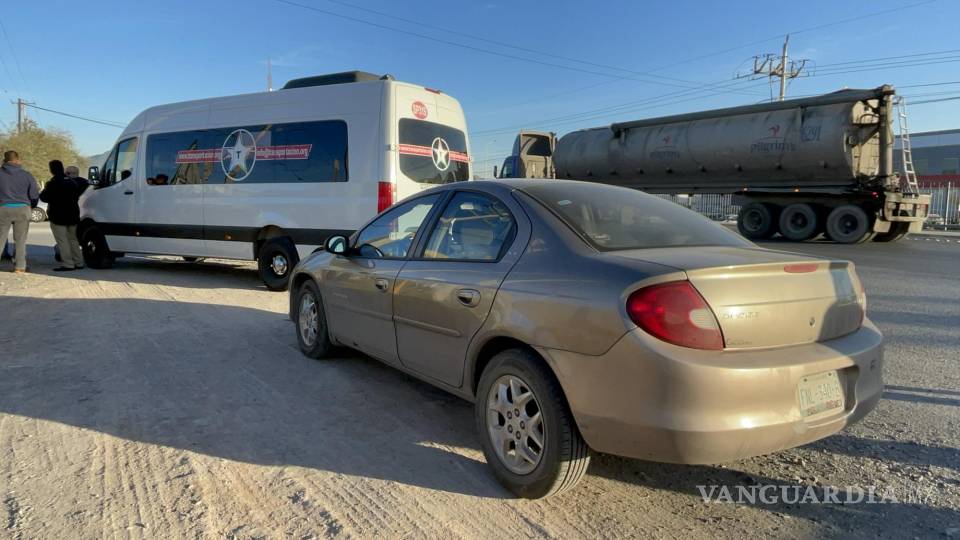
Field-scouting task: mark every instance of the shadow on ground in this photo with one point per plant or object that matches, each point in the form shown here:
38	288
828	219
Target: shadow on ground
153	270
229	382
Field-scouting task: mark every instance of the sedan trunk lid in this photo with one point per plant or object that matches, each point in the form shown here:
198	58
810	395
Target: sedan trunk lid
765	298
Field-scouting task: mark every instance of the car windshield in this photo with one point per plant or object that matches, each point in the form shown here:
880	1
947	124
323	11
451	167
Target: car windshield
614	218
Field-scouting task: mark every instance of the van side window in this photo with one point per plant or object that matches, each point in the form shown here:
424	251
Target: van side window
121	163
265	154
178	159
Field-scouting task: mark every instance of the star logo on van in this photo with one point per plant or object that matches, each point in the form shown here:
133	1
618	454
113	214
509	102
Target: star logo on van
239	154
440	152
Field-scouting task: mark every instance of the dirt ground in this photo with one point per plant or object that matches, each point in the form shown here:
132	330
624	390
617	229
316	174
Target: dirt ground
163	399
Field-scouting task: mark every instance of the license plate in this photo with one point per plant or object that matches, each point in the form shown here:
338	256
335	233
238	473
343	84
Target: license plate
820	393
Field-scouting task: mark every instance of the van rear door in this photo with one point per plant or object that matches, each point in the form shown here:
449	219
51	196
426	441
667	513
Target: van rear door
432	145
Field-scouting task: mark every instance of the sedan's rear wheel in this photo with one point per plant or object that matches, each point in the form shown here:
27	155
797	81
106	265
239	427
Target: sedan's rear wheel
526	429
312	334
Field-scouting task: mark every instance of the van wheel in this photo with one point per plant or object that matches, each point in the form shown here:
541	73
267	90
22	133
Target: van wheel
276	260
526	429
96	252
312	334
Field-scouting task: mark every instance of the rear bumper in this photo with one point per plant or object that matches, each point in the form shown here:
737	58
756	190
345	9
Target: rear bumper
651	400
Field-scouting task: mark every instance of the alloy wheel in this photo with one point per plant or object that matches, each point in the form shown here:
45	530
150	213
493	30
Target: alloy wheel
307	321
515	425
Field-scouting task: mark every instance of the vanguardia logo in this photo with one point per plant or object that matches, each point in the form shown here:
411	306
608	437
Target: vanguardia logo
804	494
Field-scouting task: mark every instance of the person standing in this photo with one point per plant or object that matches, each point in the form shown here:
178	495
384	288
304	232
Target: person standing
61	194
18	195
73	172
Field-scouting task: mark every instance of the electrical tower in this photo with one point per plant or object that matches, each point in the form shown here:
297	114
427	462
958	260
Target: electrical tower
770	65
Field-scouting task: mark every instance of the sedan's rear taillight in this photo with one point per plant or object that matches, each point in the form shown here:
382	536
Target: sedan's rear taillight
386	193
676	313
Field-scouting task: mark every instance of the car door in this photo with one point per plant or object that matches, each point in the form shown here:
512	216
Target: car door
115	209
444	294
358	286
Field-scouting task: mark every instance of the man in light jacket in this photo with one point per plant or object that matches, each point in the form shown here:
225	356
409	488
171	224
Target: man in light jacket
19	194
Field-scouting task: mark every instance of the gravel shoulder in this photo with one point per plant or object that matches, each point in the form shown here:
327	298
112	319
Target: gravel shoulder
163	399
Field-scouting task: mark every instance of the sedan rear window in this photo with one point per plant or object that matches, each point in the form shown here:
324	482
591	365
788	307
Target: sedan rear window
614	218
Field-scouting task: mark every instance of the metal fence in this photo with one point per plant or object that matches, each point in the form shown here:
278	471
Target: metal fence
714	206
944	204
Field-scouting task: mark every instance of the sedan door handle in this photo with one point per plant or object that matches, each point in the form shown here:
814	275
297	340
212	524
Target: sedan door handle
381	284
468	297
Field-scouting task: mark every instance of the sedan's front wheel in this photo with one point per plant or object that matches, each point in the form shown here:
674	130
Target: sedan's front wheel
526	429
312	335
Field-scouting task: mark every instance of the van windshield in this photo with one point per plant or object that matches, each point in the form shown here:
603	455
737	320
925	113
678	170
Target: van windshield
612	218
432	153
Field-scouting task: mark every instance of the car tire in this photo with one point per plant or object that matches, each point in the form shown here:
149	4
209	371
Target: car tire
37	215
313	335
757	221
275	262
849	224
798	222
96	252
563	457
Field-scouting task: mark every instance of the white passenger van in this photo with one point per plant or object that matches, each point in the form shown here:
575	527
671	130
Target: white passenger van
269	176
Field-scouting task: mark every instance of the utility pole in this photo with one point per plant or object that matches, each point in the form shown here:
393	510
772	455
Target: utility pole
21	114
769	65
783	68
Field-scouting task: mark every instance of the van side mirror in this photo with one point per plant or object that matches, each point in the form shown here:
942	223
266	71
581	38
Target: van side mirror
495	172
337	244
93	175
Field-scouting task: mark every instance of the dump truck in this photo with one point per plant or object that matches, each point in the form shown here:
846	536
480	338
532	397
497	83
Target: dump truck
798	168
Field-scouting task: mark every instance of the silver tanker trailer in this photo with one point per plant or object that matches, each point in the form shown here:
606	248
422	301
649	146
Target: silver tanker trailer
799	168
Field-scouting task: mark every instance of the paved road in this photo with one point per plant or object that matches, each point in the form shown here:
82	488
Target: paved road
166	399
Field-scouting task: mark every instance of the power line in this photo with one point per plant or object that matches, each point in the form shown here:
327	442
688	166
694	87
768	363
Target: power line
730	49
912	103
78	117
508	45
13	53
471	47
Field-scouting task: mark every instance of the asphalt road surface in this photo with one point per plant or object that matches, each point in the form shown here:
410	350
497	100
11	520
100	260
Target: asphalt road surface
163	399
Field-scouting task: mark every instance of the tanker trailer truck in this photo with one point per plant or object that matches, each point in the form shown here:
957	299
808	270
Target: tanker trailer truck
799	167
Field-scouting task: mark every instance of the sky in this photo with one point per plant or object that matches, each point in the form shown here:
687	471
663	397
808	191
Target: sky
558	66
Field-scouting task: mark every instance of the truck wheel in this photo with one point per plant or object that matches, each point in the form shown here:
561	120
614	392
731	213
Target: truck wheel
848	224
275	261
96	252
757	221
798	222
526	430
898	230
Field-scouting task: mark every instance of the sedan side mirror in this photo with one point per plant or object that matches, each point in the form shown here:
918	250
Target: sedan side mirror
337	244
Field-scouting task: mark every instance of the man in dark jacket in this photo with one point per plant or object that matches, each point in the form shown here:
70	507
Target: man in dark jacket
18	194
61	195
